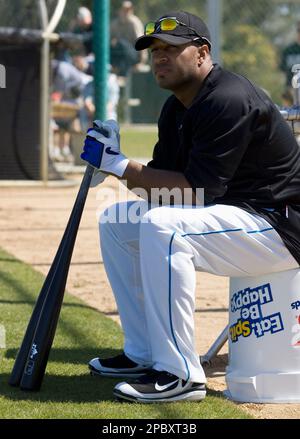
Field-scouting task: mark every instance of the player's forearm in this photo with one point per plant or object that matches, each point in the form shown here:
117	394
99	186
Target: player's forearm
153	180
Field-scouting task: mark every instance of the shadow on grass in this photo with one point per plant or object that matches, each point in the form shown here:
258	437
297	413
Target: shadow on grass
75	388
62	388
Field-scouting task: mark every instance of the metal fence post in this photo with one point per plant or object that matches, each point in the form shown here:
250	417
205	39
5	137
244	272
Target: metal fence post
101	39
214	11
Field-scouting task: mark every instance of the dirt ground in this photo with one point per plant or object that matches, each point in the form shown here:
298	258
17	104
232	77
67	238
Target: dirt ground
32	222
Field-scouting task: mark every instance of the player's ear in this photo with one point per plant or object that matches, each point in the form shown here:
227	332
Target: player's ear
204	48
203	53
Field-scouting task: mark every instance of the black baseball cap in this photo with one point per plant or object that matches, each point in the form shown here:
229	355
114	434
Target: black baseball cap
180	35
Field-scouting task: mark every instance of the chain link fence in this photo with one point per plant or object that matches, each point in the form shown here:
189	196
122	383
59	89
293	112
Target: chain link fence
250	36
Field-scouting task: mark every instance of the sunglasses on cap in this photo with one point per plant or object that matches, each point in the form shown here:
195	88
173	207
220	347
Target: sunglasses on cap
168	24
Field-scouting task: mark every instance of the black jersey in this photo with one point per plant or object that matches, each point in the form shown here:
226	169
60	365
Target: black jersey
233	142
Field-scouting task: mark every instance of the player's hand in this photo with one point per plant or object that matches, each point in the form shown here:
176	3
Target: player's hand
102	148
108	128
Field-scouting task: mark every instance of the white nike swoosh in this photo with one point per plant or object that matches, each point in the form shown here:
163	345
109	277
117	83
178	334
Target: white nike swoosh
165	387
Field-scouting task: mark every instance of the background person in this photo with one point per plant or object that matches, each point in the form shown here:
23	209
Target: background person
289	60
127	26
122	56
83	25
219	132
87	113
68	84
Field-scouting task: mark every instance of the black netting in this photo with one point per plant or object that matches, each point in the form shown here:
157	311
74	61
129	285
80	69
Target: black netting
26	13
19	13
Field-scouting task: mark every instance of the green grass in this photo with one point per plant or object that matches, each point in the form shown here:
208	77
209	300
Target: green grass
68	391
138	141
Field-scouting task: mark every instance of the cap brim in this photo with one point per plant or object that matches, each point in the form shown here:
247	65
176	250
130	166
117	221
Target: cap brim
146	40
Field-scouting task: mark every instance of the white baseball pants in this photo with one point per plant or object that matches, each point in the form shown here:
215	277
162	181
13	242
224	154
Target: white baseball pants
150	257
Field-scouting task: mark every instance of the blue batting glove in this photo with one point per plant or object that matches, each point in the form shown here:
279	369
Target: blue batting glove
92	151
102	148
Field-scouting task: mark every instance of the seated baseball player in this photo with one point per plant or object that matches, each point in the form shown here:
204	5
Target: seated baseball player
226	150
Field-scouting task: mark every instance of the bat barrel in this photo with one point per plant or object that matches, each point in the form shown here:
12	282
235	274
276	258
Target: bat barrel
31	361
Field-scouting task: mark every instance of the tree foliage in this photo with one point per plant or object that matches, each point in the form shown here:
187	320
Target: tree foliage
152	9
253	31
253	12
249	52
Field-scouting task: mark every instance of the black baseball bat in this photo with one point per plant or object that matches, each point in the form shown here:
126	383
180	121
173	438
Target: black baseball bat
19	364
31	361
22	355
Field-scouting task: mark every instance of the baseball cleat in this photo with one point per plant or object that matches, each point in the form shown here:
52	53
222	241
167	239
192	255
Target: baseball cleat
115	367
159	386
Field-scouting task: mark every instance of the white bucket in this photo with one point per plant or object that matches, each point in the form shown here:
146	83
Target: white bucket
264	338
